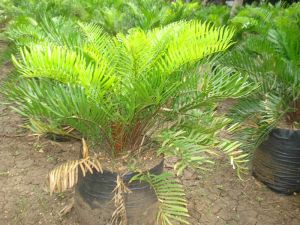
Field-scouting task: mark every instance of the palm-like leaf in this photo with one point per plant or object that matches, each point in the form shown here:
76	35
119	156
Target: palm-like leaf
63	65
222	83
170	195
198	139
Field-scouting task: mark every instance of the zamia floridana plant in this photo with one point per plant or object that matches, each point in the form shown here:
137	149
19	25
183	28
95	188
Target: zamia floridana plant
129	95
270	56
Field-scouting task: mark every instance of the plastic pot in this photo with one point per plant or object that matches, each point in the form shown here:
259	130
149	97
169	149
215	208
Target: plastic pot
276	162
94	194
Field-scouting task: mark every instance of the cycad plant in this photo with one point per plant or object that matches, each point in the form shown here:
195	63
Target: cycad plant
270	56
131	97
271	116
255	19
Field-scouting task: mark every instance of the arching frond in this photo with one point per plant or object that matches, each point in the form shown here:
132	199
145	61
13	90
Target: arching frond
257	117
50	106
193	41
170	195
225	84
27	30
98	45
198	139
271	59
211	87
191	149
238	158
60	31
64	65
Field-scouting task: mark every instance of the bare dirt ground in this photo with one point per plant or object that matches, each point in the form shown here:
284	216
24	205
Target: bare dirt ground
215	198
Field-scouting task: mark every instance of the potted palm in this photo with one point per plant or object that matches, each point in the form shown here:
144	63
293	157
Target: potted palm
133	100
271	57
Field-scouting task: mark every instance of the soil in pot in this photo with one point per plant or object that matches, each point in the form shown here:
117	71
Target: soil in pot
94	197
276	162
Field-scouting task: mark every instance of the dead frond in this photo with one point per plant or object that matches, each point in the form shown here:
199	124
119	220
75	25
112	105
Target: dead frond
66	175
119	216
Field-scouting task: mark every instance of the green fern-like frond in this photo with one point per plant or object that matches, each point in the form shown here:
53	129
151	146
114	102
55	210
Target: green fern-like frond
270	57
59	31
238	158
200	138
188	48
49	106
257	117
170	195
211	87
64	65
26	30
98	44
191	150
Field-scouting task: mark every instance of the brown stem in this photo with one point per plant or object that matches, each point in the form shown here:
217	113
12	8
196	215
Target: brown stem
117	136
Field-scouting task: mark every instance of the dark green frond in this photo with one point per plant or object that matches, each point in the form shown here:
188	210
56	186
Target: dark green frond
50	106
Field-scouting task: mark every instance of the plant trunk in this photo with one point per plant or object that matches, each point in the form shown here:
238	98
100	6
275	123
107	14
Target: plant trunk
123	139
117	136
